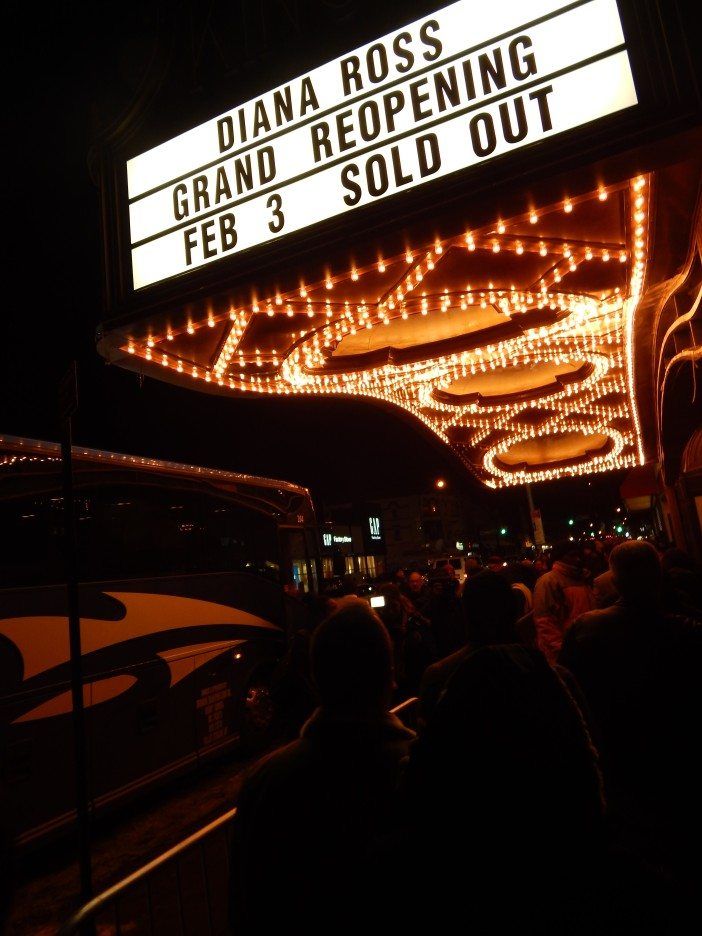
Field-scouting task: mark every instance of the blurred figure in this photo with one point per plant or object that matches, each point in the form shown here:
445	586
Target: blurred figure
518	576
473	566
292	690
604	589
560	596
490	611
593	559
639	670
503	805
308	813
444	611
496	564
682	583
502	810
416	589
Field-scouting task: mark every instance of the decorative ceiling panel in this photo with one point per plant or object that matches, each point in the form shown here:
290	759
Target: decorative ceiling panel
512	342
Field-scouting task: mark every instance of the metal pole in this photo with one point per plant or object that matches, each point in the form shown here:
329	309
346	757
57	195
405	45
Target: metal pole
68	404
530	501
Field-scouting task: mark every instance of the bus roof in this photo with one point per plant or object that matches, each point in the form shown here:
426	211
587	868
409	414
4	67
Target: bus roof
21	448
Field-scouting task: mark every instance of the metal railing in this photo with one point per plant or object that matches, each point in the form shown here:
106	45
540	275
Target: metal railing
182	891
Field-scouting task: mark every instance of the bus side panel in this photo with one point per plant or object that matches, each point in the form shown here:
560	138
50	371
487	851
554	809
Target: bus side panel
165	661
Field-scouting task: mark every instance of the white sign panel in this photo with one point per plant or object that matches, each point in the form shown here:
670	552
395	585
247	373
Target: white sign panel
461	86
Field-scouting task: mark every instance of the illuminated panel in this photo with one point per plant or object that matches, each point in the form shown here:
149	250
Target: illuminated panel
437	96
512	342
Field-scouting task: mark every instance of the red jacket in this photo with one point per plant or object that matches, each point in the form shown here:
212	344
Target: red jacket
560	596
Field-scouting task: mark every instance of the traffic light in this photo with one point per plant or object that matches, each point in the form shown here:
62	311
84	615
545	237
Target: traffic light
503	531
571	522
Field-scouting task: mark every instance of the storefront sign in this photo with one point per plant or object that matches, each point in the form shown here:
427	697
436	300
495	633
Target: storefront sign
463	85
374	528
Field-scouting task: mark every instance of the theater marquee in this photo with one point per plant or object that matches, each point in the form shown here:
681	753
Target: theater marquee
505	306
434	97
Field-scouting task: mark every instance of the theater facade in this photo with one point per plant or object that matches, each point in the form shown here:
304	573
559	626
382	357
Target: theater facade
484	217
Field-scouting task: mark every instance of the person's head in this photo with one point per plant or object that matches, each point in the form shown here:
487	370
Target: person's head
675	559
568	553
350	584
636	570
490	609
472	565
415	582
351	659
448	571
495	563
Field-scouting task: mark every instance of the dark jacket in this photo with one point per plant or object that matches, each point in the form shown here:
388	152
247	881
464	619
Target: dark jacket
307	817
436	677
639	670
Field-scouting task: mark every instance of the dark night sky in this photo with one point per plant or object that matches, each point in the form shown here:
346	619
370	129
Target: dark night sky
64	70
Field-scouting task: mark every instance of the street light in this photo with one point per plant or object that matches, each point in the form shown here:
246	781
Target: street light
503	531
440	483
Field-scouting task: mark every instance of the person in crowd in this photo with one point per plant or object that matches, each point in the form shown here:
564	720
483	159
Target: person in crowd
416	590
394	614
473	566
308	812
292	690
560	596
490	612
540	567
502	806
496	564
593	559
518	577
351	584
444	612
605	592
639	669
682	583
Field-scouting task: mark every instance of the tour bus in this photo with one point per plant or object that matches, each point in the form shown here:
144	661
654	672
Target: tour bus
184	613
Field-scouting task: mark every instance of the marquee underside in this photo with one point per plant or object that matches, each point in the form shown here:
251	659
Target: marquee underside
513	343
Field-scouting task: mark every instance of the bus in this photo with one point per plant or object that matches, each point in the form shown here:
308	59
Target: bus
189	582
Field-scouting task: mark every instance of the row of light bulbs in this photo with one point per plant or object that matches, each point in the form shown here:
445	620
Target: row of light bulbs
578	336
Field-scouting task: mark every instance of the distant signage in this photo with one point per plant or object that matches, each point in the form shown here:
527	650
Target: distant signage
326	539
374	527
459	546
342	538
463	85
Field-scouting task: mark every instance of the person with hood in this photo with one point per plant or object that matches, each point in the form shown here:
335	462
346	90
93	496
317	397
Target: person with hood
310	811
560	596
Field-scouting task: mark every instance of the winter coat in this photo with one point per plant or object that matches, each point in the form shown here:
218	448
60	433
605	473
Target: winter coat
560	596
307	816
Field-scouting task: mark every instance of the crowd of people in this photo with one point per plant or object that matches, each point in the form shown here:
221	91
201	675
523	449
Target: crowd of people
552	784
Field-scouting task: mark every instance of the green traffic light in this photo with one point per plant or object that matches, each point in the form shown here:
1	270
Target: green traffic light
503	531
571	522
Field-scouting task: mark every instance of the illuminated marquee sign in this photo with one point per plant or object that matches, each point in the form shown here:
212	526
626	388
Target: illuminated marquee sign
465	84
